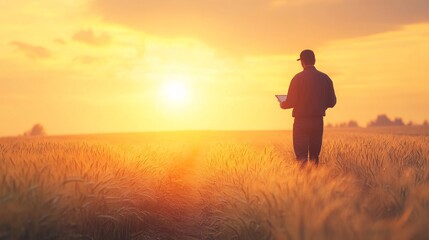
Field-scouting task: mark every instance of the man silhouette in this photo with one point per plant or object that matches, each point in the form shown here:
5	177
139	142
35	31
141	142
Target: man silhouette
310	93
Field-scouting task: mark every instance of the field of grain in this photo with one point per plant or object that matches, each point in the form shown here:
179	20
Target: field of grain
371	184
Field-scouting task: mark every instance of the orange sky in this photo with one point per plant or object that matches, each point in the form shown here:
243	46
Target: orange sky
91	66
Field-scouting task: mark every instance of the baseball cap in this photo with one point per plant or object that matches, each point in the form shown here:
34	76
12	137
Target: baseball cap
306	55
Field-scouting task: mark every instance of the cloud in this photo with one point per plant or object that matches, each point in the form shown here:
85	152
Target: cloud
261	26
32	51
88	60
89	37
60	41
300	2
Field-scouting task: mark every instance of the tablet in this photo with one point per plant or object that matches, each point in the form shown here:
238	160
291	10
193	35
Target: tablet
281	98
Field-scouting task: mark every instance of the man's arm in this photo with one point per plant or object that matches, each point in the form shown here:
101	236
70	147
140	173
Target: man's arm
292	95
332	99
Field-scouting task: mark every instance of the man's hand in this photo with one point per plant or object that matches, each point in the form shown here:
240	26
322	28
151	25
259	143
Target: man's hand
286	104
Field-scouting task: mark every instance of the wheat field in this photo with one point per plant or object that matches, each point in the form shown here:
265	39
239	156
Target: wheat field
371	184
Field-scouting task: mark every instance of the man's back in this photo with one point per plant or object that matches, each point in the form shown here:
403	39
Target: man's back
310	93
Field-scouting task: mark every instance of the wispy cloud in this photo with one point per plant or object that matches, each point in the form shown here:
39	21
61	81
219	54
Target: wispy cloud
59	41
261	26
91	38
32	51
301	2
87	59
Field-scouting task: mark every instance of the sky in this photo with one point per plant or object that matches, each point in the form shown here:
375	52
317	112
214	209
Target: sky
96	66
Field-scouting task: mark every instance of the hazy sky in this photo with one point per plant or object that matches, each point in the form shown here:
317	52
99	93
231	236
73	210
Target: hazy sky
88	66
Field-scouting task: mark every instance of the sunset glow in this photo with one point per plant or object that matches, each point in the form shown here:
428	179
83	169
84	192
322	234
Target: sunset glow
101	60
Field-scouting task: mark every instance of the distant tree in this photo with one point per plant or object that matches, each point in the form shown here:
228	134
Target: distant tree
398	122
381	120
384	120
37	130
349	124
426	123
410	123
329	125
352	124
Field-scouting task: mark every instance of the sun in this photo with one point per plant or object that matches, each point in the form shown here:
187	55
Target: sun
175	91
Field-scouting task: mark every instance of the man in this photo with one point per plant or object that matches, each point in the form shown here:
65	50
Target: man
310	93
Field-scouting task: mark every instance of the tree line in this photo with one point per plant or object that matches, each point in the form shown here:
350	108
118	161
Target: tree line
381	121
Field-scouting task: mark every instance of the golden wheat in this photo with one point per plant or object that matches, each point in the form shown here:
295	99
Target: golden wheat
214	185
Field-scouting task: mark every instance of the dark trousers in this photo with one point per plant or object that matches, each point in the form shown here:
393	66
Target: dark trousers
307	138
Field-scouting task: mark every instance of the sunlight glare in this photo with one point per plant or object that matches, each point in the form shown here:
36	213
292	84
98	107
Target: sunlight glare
175	91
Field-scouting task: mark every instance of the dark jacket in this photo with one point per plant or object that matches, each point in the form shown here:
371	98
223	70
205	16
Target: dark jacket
310	93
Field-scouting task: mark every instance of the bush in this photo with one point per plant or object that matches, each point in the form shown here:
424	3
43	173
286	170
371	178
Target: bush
37	130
